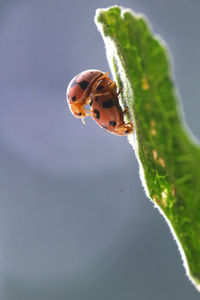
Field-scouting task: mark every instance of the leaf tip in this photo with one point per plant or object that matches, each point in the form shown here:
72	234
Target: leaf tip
100	12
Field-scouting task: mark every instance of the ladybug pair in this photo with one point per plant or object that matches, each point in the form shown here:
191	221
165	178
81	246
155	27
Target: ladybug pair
94	88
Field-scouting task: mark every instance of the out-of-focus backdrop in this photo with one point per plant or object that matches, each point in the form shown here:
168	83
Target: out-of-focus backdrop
74	220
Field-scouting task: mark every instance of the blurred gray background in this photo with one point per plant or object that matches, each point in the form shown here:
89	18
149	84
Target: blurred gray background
74	220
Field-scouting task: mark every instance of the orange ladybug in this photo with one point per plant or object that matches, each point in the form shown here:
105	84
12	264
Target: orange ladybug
79	91
93	87
108	114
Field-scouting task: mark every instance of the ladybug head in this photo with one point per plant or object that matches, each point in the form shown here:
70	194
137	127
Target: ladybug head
78	110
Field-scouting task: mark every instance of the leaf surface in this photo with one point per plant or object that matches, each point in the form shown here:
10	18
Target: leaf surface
168	157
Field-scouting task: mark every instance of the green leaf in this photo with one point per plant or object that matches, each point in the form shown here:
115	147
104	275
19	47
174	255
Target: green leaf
169	158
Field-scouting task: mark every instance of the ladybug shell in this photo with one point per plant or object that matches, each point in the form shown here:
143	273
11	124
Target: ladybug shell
107	112
80	86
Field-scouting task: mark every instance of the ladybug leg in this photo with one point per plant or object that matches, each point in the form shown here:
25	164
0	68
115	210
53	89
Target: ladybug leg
125	110
95	85
119	91
90	114
99	80
124	129
130	124
87	112
101	94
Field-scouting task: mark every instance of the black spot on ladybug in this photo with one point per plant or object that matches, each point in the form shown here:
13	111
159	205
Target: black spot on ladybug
73	98
108	104
91	102
83	84
97	113
127	131
113	123
100	87
79	114
91	72
96	99
74	82
105	127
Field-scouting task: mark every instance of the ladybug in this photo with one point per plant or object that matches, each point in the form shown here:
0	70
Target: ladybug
79	91
95	88
108	114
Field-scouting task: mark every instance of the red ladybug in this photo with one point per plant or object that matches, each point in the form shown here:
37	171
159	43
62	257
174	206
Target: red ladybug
79	91
108	114
95	88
